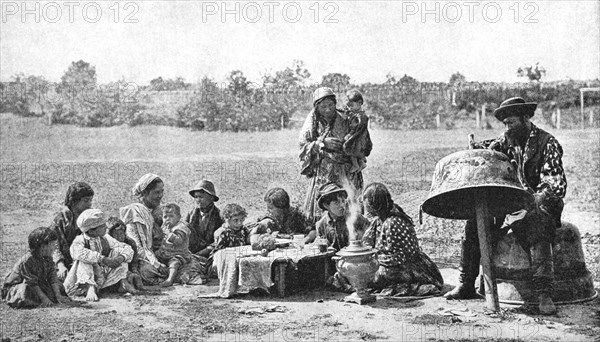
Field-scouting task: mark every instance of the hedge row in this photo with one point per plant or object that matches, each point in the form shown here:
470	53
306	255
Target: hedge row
398	106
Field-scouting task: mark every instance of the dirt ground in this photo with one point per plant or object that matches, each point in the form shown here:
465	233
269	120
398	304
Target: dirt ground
177	314
111	160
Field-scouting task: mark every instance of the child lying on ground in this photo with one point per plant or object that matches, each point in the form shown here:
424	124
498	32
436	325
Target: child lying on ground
174	250
33	281
116	229
100	261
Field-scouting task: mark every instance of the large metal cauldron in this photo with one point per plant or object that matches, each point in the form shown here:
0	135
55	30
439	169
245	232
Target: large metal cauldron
458	175
572	281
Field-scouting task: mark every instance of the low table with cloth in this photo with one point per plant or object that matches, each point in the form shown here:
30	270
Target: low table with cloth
241	269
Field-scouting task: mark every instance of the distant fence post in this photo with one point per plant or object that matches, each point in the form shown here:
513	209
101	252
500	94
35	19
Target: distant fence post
483	108
557	118
477	120
582	115
438	121
582	91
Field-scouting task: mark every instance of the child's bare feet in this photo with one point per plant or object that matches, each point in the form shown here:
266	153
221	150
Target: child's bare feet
167	283
91	296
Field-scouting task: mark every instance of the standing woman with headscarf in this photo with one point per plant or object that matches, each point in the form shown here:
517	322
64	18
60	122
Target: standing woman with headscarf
142	226
321	150
78	199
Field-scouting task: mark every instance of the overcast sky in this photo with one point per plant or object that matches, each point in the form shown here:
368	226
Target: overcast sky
485	41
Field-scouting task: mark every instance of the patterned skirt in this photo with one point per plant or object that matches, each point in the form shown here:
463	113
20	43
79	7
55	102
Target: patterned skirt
418	277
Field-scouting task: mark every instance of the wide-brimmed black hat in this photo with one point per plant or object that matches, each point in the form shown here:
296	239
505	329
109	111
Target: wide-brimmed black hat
326	190
515	106
206	186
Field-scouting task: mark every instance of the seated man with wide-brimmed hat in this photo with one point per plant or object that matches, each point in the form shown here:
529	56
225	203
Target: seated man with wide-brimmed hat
538	157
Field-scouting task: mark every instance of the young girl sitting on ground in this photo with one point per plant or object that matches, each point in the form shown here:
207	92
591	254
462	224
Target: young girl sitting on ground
174	250
33	281
100	261
233	232
117	229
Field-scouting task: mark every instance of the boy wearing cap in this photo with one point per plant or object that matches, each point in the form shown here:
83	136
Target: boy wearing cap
205	219
333	226
100	261
538	159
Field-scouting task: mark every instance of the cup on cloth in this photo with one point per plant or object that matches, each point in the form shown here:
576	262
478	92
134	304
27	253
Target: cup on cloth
299	241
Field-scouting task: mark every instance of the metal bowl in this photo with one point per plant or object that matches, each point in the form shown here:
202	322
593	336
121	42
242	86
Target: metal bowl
459	178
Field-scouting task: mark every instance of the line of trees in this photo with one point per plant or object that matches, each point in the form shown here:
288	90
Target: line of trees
241	105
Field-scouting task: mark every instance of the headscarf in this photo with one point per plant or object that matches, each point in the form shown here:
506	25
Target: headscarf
143	183
319	95
90	218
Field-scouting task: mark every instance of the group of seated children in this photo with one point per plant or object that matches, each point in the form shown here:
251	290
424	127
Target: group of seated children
110	261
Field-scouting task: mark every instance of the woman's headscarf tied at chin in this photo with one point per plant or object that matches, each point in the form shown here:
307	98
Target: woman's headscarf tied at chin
142	184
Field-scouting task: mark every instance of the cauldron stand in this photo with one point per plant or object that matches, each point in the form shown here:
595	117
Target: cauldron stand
482	215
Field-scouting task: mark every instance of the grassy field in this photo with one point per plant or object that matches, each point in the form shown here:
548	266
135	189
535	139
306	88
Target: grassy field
39	162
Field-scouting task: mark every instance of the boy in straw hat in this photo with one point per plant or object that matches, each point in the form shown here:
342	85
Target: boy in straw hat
205	219
538	158
100	261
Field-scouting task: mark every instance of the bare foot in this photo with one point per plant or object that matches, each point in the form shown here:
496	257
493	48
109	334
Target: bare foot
91	296
167	283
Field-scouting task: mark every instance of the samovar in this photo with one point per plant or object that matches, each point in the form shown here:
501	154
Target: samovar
358	264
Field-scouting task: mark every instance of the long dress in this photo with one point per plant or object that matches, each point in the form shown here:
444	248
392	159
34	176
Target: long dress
141	226
139	223
404	269
321	166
